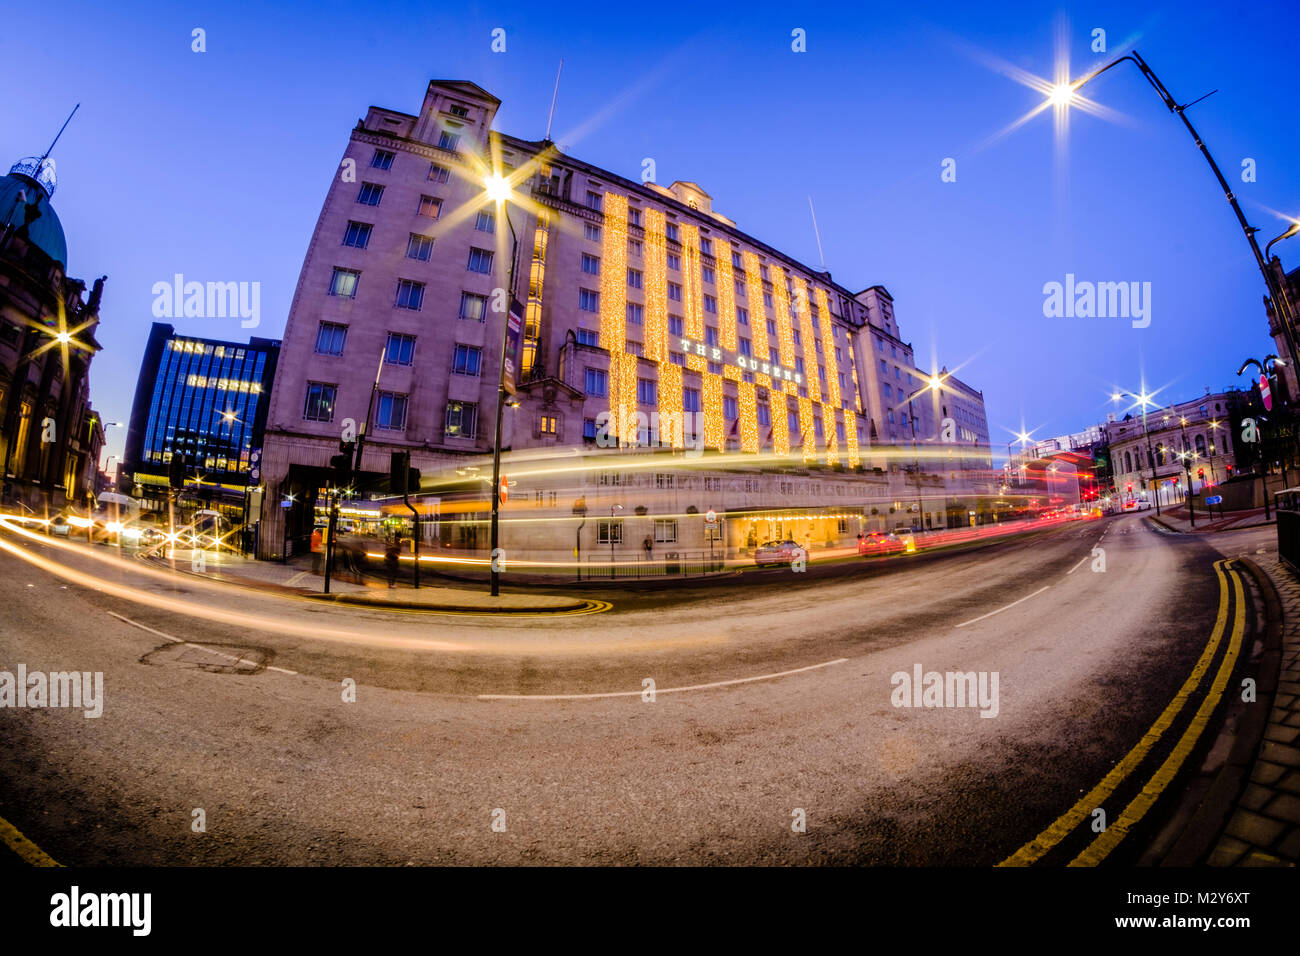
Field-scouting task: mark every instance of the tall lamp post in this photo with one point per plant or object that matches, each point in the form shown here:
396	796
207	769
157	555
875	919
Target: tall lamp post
1267	370
1145	400
1063	93
498	190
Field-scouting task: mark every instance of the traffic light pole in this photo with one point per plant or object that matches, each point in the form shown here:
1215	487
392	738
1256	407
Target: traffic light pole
329	536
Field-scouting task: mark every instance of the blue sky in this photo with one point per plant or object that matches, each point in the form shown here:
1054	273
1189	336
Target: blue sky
215	164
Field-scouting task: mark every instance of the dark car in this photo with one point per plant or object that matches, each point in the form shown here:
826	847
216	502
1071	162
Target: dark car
776	553
880	542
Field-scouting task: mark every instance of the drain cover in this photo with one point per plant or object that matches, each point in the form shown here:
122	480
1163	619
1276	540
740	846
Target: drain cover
213	658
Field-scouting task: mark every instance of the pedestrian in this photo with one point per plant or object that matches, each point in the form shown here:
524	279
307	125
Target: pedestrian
649	547
317	547
391	551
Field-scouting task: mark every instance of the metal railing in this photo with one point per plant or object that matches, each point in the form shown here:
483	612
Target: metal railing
668	564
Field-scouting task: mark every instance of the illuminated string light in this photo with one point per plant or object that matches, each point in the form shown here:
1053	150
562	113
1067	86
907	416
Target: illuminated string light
613	310
715	427
726	288
808	333
807	430
536	277
670	404
851	438
748	404
828	349
780	414
654	253
781	304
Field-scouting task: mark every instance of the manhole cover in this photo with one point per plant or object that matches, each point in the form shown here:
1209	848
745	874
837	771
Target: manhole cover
213	658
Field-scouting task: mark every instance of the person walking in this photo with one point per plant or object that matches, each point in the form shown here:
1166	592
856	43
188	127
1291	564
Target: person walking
391	552
649	547
317	548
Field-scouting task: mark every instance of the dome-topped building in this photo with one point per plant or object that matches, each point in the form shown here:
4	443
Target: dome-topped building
25	207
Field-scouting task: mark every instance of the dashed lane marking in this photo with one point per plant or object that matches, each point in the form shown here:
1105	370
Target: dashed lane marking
662	690
1004	607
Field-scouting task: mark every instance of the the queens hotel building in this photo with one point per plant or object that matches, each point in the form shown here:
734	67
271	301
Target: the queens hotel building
637	299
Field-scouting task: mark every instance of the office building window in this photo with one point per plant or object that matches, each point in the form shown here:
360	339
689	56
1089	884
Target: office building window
596	382
410	295
609	532
745	346
382	159
634	217
370	194
675	325
448	140
674	292
672	232
742	316
647	391
319	406
419	247
344	283
330	337
634	278
588	337
400	349
674	261
390	411
461	420
438	174
485	221
467	360
730	410
591	231
590	264
430	207
665	530
480	260
634	248
357	235
635	313
707	273
588	301
546	426
691	400
473	307
711	304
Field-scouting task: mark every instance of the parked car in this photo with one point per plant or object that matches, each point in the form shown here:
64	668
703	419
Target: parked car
59	526
880	542
776	553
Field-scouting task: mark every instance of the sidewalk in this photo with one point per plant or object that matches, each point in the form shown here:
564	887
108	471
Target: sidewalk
296	577
1178	519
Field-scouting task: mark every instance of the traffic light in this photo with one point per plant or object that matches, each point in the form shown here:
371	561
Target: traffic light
342	465
1200	473
402	478
1130	487
176	471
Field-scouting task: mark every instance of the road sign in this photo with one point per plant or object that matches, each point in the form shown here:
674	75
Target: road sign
710	517
1265	394
1214	500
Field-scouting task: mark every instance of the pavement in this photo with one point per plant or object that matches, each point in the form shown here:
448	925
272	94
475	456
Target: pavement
1179	519
297	577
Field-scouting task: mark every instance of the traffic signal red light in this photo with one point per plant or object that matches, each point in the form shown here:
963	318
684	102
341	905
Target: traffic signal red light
1200	473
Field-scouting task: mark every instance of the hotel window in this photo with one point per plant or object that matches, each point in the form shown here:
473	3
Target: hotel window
647	391
330	338
817	428
798	364
546	426
419	247
767	299
742	316
706	245
448	140
880	345
741	290
792	423
744	347
467	360
609	531
635	314
357	235
344	283
473	306
843	382
711	304
798	339
485	221
400	349
588	337
884	367
665	530
888	391
710	335
390	411
672	232
690	400
897	375
730	409
771	328
430	207
634	219
461	420
591	231
594	201
677	358
596	382
893	351
674	292
635	348
839	356
764	413
589	429
461	111
370	194
410	295
707	272
817	344
319	406
634	278
438	174
674	262
382	159
773	357
675	325
715	368
634	247
590	264
480	260
588	301
821	373
736	261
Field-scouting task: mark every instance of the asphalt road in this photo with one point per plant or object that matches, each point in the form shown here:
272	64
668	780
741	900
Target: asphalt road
250	724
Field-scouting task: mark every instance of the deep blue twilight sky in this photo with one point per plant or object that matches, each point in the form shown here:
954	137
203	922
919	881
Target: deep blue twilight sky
215	164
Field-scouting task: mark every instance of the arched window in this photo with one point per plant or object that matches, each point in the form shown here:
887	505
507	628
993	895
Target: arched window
1128	462
1200	445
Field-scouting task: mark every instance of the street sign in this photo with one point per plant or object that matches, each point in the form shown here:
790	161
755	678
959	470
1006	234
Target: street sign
710	517
514	327
1214	500
1265	394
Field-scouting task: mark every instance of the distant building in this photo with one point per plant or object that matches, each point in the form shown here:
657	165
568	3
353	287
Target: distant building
206	399
50	440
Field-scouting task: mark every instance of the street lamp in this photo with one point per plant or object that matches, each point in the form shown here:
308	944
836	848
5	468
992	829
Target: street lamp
612	509
1062	95
1144	400
932	384
497	189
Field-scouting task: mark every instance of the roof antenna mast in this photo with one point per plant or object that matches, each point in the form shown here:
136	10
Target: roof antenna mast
550	116
817	233
59	134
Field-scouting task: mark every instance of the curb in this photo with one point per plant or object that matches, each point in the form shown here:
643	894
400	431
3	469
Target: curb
1211	817
358	600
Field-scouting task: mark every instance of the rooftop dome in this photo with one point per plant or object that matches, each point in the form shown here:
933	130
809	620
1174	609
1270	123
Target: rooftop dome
30	183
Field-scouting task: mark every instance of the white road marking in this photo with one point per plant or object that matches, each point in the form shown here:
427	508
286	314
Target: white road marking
663	690
177	640
297	577
1073	569
1004	607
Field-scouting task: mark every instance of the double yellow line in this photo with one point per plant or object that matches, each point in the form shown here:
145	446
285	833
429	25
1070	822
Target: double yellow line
1137	808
